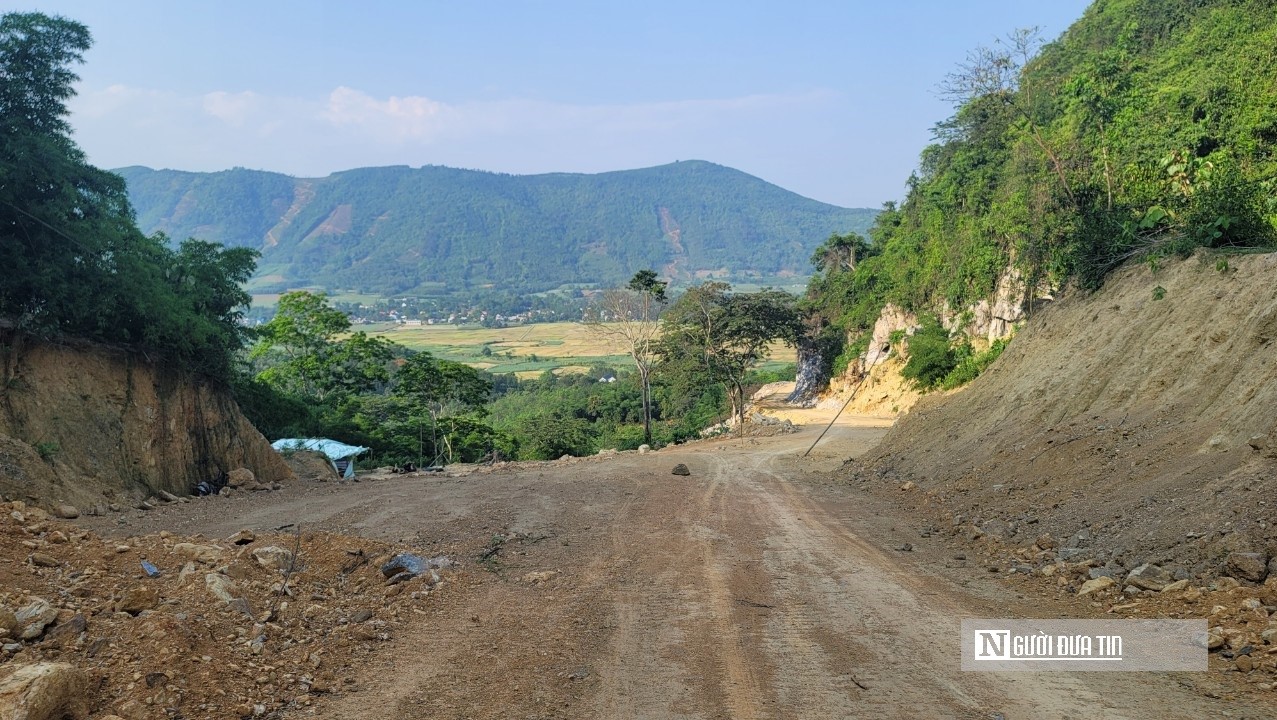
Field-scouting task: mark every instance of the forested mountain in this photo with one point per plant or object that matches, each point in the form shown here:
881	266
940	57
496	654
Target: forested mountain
1148	128
392	230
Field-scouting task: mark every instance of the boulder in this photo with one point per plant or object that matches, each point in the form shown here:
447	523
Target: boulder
44	560
1215	638
207	554
240	477
644	449
34	617
8	621
66	632
273	557
1096	585
45	691
680	469
222	587
1149	577
1252	567
138	598
66	512
243	537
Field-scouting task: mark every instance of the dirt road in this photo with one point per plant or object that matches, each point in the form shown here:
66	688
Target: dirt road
754	588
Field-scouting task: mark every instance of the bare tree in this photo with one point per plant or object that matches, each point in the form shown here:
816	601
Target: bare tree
628	317
996	72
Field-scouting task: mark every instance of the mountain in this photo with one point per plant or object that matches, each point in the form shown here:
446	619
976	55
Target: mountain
435	230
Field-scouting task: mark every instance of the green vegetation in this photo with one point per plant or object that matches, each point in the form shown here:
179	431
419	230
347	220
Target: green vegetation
713	336
75	262
969	364
931	358
628	317
1149	128
431	231
313	377
47	450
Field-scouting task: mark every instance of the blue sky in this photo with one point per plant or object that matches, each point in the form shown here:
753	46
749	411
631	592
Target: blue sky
833	100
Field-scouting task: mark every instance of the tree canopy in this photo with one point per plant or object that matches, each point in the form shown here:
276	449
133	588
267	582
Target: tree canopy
714	334
75	262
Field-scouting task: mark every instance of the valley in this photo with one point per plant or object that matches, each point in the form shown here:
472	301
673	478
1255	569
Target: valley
529	350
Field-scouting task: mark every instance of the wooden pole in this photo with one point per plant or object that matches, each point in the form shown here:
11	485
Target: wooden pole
854	390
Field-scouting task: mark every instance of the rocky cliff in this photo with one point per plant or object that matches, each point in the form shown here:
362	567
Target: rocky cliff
84	424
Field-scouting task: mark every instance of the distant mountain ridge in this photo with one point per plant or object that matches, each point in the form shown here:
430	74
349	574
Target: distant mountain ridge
438	230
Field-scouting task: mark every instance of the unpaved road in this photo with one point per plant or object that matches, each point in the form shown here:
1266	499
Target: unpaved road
753	589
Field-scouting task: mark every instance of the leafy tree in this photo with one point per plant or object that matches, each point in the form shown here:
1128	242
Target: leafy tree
305	356
75	262
443	383
714	333
628	317
66	231
552	435
444	388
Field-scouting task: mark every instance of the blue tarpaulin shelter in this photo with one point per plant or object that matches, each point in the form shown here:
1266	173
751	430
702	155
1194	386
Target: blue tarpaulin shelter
341	455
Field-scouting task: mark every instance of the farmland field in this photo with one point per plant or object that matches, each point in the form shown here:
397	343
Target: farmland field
526	350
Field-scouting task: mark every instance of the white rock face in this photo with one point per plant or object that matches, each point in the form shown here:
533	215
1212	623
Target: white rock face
891	319
994	318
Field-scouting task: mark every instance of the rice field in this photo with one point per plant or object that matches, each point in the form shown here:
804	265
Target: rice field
526	350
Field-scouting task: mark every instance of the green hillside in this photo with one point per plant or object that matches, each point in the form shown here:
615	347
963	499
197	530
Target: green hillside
393	230
1148	128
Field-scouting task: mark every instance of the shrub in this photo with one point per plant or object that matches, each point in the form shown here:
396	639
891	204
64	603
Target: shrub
931	357
971	364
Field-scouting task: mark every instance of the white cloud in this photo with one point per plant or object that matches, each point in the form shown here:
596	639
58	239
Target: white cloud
231	108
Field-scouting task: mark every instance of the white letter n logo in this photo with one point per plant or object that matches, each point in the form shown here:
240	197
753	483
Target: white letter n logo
992	644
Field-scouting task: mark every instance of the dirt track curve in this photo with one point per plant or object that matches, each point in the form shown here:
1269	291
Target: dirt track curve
754	588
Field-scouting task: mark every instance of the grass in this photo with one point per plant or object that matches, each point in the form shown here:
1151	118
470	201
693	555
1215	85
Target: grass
560	347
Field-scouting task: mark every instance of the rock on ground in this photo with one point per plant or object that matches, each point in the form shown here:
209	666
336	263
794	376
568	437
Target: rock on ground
1248	566
273	557
44	691
240	477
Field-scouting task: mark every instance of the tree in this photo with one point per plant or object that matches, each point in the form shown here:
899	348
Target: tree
995	73
305	357
66	228
628	317
74	260
724	335
443	387
840	252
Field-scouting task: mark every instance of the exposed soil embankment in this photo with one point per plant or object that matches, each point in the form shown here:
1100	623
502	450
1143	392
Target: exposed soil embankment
81	424
1132	429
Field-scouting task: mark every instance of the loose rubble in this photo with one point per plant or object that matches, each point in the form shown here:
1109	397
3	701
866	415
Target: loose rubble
238	627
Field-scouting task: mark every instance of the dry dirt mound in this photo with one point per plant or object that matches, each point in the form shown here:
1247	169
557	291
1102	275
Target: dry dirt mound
87	424
1135	424
237	627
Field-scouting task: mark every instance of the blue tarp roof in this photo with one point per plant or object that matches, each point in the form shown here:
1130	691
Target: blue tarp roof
332	449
